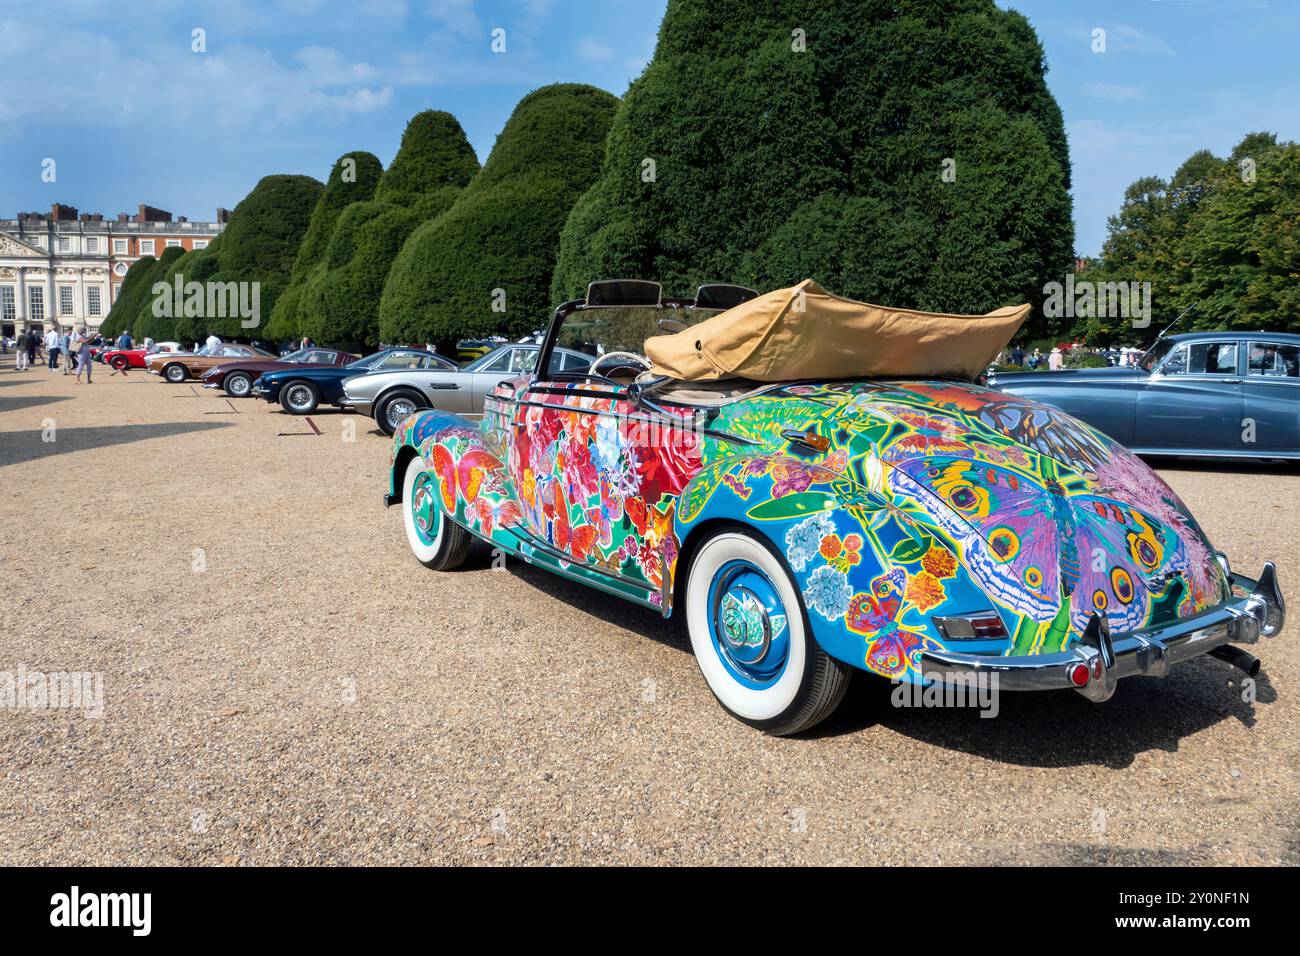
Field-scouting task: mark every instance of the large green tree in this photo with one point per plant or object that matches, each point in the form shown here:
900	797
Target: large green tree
353	179
485	266
129	297
259	245
1219	241
339	300
902	151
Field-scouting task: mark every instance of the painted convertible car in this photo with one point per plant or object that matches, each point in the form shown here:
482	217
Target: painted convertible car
1214	394
300	391
919	530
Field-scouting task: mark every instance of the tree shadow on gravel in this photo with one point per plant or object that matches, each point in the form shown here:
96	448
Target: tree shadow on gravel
29	401
22	446
1052	729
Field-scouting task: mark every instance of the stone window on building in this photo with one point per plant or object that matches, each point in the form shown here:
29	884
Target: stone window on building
65	244
65	300
8	312
173	243
93	300
37	241
35	303
92	243
119	247
146	247
200	243
120	268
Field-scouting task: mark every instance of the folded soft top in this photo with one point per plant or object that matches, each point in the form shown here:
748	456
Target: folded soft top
805	332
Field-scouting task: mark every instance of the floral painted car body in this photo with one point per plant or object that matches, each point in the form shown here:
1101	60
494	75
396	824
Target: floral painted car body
916	529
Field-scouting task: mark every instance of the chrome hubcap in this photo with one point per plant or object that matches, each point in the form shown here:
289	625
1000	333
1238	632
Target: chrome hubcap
748	624
299	397
239	385
399	411
424	509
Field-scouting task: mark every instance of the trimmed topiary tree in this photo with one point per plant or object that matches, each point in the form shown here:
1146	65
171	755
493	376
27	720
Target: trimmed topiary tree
197	265
485	266
259	245
353	179
901	151
339	299
127	303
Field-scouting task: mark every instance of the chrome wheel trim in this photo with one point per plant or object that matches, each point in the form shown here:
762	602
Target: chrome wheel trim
174	373
299	397
235	388
426	541
397	411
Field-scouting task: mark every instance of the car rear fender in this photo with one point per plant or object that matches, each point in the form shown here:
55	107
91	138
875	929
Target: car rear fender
422	434
872	578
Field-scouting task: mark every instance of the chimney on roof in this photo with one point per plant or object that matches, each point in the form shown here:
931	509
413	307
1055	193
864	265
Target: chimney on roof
123	217
223	215
153	214
62	213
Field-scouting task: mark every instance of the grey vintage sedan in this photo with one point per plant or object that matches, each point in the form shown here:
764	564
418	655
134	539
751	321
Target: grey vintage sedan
1218	394
391	396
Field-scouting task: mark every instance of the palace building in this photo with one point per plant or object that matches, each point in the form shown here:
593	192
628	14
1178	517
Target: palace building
67	268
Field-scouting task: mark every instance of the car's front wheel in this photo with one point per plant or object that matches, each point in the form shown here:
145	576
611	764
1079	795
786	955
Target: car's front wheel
395	409
752	639
238	384
299	398
119	363
436	541
175	372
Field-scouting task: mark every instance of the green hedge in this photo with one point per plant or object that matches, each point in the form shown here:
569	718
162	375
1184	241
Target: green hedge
503	231
134	286
352	179
772	166
339	299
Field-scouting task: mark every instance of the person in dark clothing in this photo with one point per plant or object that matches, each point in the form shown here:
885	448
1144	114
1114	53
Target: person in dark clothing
1017	355
32	342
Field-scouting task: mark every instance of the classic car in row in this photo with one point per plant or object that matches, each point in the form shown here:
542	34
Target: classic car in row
389	397
301	390
179	366
124	359
1215	394
237	377
814	490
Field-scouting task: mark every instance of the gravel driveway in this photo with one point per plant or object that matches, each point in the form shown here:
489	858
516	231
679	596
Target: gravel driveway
283	683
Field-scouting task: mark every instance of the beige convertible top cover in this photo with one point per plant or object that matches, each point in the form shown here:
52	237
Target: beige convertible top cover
805	332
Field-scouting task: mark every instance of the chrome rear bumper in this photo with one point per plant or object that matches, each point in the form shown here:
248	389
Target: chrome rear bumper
1105	658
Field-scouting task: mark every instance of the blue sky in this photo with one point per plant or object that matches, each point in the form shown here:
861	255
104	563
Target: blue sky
113	92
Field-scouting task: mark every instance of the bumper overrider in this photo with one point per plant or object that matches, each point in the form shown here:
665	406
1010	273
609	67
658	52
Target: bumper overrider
1094	665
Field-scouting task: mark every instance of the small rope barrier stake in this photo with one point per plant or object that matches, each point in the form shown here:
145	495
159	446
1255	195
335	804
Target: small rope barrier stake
290	429
193	394
221	411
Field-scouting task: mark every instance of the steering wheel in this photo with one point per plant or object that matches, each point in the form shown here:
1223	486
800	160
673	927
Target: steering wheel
613	362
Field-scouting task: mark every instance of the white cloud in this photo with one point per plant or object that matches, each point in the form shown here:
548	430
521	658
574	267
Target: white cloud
458	16
1129	39
589	48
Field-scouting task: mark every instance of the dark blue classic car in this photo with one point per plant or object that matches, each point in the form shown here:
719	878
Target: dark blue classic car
302	391
1221	394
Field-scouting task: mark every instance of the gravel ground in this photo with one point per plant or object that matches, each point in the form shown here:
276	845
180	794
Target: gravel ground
284	684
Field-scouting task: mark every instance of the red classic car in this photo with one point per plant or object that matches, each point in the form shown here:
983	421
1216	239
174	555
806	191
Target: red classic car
121	359
237	377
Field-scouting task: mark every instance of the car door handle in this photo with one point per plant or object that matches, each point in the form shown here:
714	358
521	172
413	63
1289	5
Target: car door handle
443	385
1230	381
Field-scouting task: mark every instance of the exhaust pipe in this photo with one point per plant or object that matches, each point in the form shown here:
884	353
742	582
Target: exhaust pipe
1247	663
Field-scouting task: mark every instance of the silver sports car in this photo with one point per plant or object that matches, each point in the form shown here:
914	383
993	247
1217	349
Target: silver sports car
391	396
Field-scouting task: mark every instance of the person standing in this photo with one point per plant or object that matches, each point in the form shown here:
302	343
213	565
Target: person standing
65	350
1055	361
52	349
33	341
212	342
20	351
83	355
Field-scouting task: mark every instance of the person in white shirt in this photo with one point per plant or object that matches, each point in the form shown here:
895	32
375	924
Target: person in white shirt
1055	361
52	348
212	342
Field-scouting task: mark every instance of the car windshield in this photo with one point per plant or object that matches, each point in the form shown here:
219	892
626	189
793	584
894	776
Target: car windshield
491	360
298	356
597	331
1156	354
368	362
